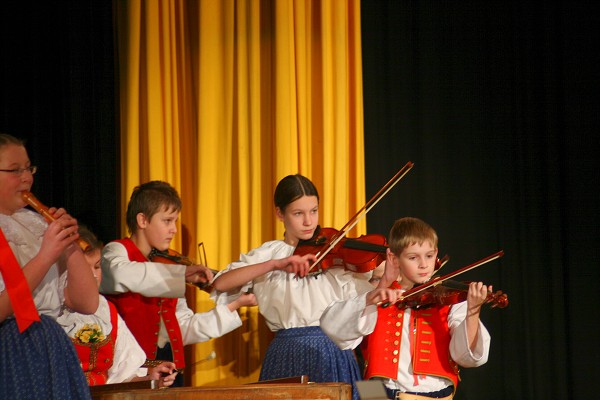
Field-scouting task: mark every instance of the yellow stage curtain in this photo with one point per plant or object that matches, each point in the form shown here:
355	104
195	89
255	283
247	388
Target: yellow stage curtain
223	98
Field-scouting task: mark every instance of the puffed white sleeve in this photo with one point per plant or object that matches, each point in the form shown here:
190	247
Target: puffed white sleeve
128	357
150	279
201	327
267	251
347	321
459	346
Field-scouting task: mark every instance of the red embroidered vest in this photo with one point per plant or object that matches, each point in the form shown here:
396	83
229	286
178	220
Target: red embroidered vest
142	315
430	353
97	358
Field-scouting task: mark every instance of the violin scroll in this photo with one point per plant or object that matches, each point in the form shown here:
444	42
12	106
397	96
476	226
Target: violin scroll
497	299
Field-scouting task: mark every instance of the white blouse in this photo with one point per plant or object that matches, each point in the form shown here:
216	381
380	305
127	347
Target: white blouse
128	355
289	302
24	231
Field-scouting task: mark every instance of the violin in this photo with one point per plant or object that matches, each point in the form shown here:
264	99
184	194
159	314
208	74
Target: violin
445	291
362	254
37	205
171	256
332	248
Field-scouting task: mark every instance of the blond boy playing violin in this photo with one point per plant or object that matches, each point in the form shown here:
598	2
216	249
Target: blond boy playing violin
415	351
150	296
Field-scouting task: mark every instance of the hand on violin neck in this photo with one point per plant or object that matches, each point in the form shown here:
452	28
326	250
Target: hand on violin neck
383	296
477	296
295	264
198	273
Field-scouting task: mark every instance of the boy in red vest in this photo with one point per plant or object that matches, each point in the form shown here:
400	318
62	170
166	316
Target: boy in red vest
150	296
416	352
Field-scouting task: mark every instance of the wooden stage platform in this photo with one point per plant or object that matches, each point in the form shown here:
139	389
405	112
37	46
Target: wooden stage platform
254	391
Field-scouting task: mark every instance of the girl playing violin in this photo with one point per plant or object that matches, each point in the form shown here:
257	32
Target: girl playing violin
37	358
445	336
291	301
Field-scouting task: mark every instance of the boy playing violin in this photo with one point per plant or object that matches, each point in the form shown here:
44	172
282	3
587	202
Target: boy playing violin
415	351
150	296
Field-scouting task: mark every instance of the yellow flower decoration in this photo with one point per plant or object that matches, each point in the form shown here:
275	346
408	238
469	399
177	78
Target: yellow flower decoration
90	333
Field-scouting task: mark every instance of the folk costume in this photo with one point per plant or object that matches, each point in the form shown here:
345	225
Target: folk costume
412	350
39	362
107	350
292	308
150	297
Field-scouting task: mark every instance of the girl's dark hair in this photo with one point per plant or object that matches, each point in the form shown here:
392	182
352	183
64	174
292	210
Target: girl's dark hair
86	234
291	188
150	198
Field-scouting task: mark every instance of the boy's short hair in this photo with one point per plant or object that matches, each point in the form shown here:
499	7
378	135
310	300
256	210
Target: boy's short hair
408	231
149	198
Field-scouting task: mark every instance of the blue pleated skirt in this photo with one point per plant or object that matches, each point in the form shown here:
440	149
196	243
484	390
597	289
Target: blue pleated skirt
309	351
40	363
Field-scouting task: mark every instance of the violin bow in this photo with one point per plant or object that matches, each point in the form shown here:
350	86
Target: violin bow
439	280
360	214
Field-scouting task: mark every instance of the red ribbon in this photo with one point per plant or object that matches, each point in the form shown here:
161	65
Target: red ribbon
17	287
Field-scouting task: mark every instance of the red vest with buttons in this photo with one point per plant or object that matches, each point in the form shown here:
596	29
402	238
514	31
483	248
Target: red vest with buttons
143	314
431	344
97	358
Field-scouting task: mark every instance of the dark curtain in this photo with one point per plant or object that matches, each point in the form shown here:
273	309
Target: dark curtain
495	103
58	93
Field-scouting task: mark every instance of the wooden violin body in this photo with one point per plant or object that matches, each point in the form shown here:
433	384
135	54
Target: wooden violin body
362	254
